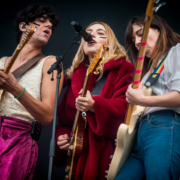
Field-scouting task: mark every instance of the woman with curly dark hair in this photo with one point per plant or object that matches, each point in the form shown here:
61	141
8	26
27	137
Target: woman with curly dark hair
29	99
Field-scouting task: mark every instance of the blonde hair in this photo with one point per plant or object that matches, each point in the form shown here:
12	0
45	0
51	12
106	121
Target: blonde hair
115	51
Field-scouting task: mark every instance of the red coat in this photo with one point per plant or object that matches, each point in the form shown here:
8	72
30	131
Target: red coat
110	109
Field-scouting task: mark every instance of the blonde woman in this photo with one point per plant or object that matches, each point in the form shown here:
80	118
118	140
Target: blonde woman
104	112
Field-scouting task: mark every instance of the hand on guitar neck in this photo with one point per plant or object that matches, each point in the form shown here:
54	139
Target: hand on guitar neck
136	96
86	103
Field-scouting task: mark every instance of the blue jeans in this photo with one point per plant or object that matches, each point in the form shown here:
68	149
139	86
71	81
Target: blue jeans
156	154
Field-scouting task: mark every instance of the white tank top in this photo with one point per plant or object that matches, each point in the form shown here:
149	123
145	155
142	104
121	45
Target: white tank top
31	80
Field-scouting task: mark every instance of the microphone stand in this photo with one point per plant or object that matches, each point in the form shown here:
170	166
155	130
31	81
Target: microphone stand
57	66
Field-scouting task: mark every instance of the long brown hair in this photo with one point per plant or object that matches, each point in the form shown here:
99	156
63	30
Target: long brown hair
115	51
167	38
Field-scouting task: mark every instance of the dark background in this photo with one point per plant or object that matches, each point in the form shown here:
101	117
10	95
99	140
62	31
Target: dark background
113	12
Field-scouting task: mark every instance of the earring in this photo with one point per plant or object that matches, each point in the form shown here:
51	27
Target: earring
24	26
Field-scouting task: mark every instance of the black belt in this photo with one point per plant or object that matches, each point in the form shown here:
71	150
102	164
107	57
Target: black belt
2	118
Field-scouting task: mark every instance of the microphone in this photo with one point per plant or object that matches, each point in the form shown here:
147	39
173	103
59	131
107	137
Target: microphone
82	32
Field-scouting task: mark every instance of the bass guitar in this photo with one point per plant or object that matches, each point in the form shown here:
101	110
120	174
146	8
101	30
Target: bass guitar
25	40
76	140
127	131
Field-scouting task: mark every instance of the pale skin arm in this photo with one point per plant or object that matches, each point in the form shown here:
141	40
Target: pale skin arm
82	104
40	110
136	96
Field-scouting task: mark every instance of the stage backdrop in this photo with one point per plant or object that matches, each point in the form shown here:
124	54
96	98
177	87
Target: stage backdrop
116	13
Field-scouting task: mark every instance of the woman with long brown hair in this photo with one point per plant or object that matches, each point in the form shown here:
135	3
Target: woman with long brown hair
105	111
156	154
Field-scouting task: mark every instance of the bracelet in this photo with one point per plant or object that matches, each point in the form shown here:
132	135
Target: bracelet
20	94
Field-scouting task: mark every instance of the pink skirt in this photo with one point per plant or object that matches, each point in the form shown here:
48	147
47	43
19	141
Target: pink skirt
18	151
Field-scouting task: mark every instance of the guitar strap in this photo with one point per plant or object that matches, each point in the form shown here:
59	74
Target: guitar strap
26	66
99	85
155	75
149	82
152	79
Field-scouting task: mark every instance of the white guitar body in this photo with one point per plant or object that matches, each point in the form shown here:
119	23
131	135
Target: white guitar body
126	136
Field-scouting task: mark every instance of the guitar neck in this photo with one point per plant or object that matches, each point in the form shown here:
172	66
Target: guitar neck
84	90
26	38
12	60
94	66
138	73
139	67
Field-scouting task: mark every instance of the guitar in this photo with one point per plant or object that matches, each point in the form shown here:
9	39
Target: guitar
25	40
77	134
126	134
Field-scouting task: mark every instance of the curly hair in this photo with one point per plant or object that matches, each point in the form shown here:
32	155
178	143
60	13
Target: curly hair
30	14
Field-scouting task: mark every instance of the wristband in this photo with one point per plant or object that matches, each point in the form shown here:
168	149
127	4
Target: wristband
20	94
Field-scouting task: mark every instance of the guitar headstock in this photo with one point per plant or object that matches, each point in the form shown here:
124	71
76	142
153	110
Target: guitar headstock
153	6
27	37
97	59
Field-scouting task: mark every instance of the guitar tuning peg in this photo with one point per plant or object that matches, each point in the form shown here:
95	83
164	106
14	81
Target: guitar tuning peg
106	176
157	1
109	164
159	5
111	156
106	171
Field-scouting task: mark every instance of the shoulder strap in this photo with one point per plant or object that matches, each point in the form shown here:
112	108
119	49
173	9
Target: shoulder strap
26	66
152	79
99	85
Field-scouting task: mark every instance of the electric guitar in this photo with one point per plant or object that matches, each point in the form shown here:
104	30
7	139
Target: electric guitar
77	134
127	131
25	40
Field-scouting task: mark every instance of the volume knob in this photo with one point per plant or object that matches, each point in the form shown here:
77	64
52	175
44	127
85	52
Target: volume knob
67	177
71	147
